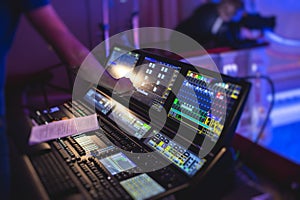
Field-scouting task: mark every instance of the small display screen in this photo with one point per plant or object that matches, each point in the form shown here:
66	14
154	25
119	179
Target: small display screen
117	163
94	143
121	62
142	187
102	103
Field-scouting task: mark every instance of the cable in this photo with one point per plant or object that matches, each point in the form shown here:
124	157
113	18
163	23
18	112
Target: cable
239	164
269	80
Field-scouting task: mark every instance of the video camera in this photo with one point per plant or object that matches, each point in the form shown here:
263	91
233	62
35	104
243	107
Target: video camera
256	21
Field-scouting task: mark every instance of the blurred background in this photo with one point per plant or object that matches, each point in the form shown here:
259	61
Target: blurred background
32	57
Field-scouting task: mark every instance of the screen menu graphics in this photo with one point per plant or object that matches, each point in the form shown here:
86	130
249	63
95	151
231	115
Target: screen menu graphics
121	62
154	79
204	104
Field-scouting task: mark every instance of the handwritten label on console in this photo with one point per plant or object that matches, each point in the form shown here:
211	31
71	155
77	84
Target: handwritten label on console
63	128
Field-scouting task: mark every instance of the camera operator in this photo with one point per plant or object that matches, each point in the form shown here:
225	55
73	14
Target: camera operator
223	24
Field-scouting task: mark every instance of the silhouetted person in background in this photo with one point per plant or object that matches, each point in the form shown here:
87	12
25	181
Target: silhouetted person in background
209	24
223	24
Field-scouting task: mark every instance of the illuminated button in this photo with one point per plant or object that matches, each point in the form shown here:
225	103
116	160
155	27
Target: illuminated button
160	143
168	148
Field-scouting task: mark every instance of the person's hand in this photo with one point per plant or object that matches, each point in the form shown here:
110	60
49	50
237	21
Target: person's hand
250	34
124	87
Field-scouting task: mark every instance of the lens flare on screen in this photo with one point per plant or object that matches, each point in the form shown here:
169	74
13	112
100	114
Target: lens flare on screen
120	71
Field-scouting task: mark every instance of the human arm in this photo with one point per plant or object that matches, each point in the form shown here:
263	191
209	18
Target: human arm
70	49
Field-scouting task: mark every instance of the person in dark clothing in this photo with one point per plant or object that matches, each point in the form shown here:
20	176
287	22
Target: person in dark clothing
209	25
45	20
